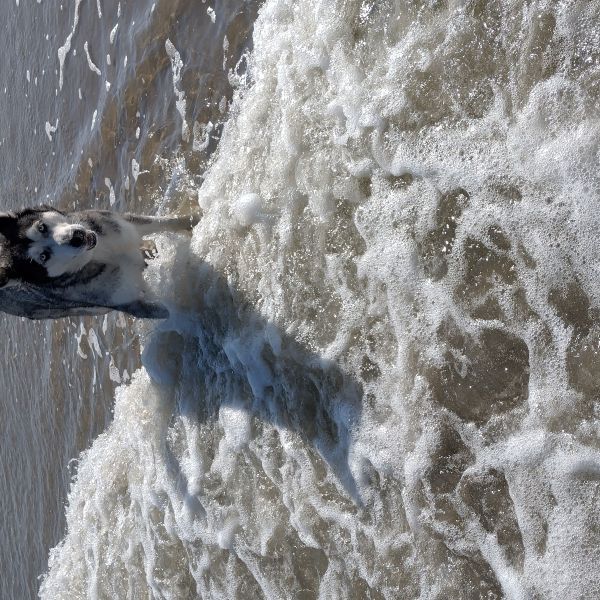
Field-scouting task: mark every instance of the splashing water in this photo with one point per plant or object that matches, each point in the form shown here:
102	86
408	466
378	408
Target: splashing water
380	378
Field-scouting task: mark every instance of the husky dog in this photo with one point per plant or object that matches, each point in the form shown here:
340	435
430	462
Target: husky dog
56	264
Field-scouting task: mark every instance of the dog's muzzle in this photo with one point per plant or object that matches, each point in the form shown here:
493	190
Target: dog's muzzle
81	238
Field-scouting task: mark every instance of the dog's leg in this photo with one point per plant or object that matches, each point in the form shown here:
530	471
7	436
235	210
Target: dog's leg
147	225
144	310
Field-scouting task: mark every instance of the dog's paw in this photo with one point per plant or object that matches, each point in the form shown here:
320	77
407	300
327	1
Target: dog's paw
195	218
148	249
190	220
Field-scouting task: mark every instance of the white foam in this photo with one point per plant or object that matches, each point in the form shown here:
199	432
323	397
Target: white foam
113	33
180	103
236	424
202	134
90	62
135	169
247	209
111	190
63	51
51	129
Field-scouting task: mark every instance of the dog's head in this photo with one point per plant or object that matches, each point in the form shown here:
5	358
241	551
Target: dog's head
41	244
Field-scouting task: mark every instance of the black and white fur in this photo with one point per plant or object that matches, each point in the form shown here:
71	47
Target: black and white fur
84	262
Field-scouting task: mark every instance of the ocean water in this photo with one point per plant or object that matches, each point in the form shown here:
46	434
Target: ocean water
380	374
108	137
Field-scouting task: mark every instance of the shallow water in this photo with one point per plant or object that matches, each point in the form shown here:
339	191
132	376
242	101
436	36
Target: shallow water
101	140
379	375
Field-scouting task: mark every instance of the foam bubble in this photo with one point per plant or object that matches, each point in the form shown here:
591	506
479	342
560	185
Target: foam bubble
247	209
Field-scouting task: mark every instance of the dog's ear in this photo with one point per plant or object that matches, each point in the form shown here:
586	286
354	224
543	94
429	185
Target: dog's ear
4	276
5	267
8	223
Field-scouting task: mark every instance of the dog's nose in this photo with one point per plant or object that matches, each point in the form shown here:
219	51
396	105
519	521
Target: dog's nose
78	238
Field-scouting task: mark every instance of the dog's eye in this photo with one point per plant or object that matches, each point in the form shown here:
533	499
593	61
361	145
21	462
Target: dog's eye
44	256
42	228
